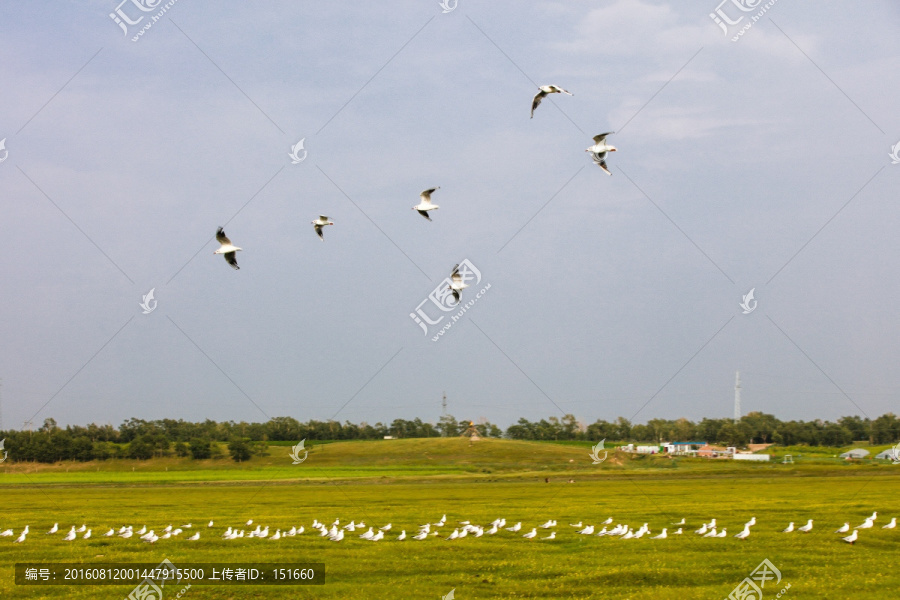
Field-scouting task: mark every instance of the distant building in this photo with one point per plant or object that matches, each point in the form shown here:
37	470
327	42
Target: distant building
855	453
750	456
683	448
709	451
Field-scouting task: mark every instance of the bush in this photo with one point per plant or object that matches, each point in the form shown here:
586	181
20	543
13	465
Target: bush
239	450
182	450
201	449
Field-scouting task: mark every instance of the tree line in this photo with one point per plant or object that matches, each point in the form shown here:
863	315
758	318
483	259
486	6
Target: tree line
142	440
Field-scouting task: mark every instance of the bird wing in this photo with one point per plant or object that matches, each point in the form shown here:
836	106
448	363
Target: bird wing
537	101
601	137
318	229
456	295
424	214
426	194
221	237
602	164
231	259
323	218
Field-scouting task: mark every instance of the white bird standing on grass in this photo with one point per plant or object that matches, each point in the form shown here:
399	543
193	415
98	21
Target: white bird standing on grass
21	538
806	528
743	535
515	527
71	535
892	524
852	537
600	149
87	535
867	524
552	536
402	535
110	533
424	206
194	537
661	536
843	528
227	249
544	91
531	534
789	528
54	529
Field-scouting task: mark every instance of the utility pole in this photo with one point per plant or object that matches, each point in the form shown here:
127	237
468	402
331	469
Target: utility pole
444	405
737	396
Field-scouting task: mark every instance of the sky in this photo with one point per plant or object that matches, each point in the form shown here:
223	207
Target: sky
759	161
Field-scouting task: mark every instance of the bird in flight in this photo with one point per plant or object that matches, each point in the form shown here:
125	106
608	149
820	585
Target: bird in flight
600	149
226	248
319	223
544	90
425	205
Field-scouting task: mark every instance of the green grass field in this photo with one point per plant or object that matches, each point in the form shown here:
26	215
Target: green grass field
411	482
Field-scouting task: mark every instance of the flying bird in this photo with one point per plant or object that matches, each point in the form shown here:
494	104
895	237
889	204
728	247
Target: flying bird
425	205
600	149
227	249
545	90
456	283
319	223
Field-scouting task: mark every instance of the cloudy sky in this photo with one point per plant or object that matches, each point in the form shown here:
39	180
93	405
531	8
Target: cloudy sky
761	163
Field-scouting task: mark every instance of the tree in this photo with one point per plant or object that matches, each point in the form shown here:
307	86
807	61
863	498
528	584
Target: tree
239	450
182	450
200	449
448	426
141	448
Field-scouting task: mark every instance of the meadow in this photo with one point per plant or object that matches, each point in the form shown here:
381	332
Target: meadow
411	482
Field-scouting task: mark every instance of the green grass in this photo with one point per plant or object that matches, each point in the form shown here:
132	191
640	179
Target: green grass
409	482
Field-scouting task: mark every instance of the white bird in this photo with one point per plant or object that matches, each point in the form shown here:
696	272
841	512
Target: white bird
194	537
852	537
743	535
515	527
87	535
628	534
402	536
892	524
661	536
722	533
578	524
711	533
463	533
177	531
301	530
640	533
21	538
128	533
168	529
368	535
677	532
151	538
843	528
606	522
874	516
110	533
453	535
147	535
494	529
71	535
551	536
806	528
378	536
54	529
425	205
589	530
866	525
210	524
421	535
702	530
338	537
751	522
681	522
531	534
386	527
227	249
544	91
319	223
142	530
81	529
600	149
457	284
549	524
602	532
164	536
789	528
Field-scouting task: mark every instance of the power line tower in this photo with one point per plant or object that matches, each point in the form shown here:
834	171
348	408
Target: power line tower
444	405
737	396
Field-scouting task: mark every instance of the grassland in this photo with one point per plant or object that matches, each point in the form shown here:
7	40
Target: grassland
410	482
